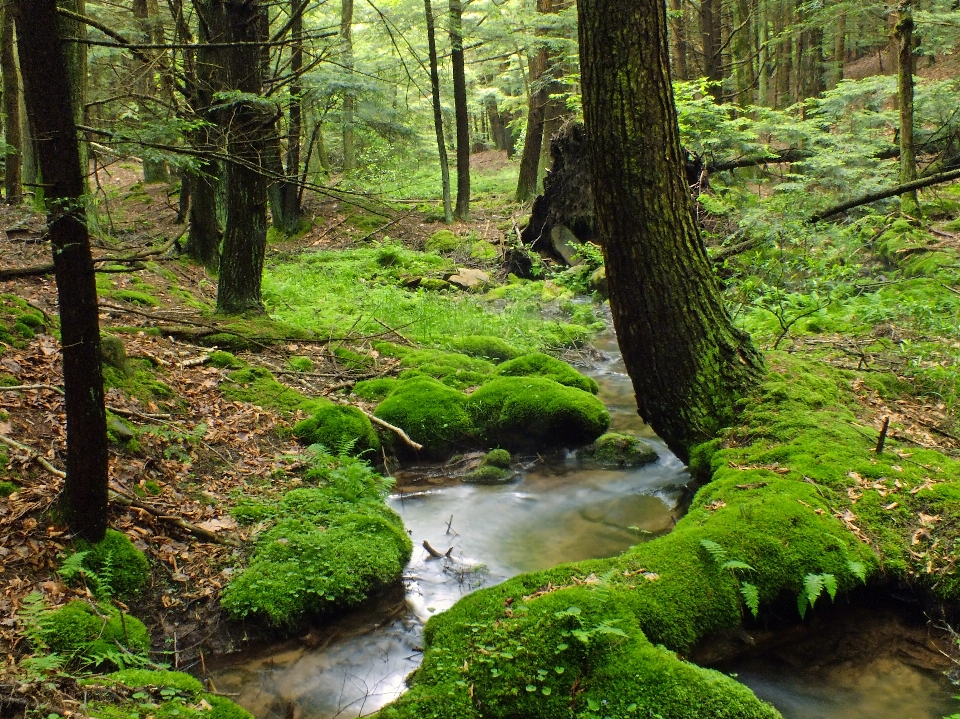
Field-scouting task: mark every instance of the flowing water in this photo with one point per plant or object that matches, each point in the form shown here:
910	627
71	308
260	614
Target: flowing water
556	512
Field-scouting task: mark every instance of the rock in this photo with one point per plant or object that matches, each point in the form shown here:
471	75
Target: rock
120	429
483	250
443	241
113	353
598	281
434	284
619	450
565	244
469	279
540	365
488	474
498	458
411	281
340	429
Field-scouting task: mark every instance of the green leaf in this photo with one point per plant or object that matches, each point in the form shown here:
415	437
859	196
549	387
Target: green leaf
546	691
593	705
813	587
830	583
751	596
531	688
736	564
718	553
858	569
802	604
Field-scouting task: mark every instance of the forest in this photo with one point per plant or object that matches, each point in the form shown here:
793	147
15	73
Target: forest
475	359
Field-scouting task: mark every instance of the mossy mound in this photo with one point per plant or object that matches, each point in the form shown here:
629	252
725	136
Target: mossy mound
484	251
225	360
620	450
90	636
139	380
329	546
459	371
258	386
343	430
518	412
164	695
113	353
119	568
6	488
493	349
498	458
19	322
489	474
375	390
541	365
443	241
433	414
300	364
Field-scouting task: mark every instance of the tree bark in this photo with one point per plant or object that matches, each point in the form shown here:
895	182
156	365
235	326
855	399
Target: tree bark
909	205
147	12
678	34
533	139
290	192
688	363
839	48
462	209
437	111
710	35
245	127
47	88
346	40
76	58
12	177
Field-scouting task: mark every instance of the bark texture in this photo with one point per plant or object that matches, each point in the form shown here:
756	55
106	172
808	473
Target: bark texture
688	363
13	162
462	209
909	205
346	41
533	138
438	111
50	106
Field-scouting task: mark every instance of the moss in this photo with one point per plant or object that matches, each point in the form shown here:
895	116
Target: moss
375	390
116	557
343	430
541	365
140	381
620	450
139	678
113	353
136	297
257	385
489	474
433	414
225	360
87	635
6	488
389	349
19	322
443	241
497	458
300	364
352	360
493	349
517	412
484	251
434	284
175	695
455	370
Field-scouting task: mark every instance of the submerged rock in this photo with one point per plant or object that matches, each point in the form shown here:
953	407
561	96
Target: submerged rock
494	469
619	450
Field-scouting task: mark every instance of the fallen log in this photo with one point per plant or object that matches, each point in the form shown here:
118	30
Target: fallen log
884	194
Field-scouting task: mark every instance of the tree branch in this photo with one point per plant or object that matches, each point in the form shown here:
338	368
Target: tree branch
884	194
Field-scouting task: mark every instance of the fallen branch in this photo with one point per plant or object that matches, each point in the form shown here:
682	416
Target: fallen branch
14	388
434	553
725	253
884	194
32	456
180	522
211	328
386	425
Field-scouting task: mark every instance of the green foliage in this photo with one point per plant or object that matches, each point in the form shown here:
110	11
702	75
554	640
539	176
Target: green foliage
326	547
138	381
489	474
335	427
162	694
443	241
541	365
112	567
493	349
375	390
224	360
813	586
300	364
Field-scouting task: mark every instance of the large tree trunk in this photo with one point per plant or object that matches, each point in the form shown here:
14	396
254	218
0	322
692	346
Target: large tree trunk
678	35
462	209
50	106
533	139
346	41
245	127
12	177
290	190
710	35
76	59
437	111
688	363
909	204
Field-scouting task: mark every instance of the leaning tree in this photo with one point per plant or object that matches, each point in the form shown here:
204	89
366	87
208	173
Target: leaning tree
50	103
688	362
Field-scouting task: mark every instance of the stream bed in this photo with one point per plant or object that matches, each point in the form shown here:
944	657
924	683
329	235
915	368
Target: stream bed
556	512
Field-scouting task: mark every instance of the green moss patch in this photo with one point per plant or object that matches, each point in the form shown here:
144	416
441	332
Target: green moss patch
492	349
433	414
443	241
455	370
619	450
6	488
518	412
139	380
497	458
541	365
145	693
326	547
343	430
119	568
19	322
489	474
89	635
375	390
225	360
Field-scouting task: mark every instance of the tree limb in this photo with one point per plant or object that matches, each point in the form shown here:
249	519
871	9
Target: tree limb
884	194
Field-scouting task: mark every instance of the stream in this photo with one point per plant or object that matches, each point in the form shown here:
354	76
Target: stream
556	512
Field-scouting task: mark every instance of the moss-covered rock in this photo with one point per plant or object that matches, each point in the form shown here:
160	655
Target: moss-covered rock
518	412
433	414
88	635
225	360
328	547
489	474
497	458
300	364
484	251
113	353
375	390
541	365
489	348
171	695
619	450
342	430
451	368
19	322
119	569
443	241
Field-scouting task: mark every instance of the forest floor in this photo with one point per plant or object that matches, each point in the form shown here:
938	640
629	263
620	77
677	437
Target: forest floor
197	451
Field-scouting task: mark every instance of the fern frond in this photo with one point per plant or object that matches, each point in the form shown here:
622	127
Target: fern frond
830	583
751	597
858	569
105	577
73	566
718	553
736	564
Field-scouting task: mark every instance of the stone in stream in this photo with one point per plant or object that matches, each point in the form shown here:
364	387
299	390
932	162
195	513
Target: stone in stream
619	450
494	469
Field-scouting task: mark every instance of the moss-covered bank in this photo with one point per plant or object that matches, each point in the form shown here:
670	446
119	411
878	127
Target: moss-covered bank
799	509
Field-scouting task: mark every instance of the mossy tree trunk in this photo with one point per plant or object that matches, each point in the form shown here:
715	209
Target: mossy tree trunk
49	101
462	209
437	110
710	38
245	126
909	205
76	58
688	363
533	138
290	190
12	177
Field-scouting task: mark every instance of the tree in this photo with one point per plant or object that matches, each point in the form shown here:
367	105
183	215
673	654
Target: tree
688	363
437	111
12	179
462	209
908	151
346	40
47	90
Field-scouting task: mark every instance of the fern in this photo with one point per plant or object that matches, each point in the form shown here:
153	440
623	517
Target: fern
751	596
830	584
858	569
73	567
32	608
813	586
732	564
105	577
718	553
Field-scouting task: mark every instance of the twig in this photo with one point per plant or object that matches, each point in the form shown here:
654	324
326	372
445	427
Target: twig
183	524
381	229
384	324
194	361
434	553
883	435
14	388
386	425
32	456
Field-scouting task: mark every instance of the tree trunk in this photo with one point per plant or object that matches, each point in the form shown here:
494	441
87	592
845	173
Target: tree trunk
76	57
710	31
839	48
462	209
12	177
437	111
678	33
47	89
909	204
290	191
346	40
148	14
245	127
688	363
533	139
